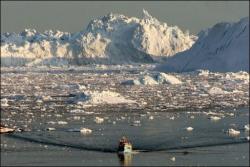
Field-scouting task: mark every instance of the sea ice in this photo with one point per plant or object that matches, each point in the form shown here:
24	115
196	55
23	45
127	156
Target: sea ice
233	132
107	97
172	159
4	102
246	127
62	122
99	120
167	78
151	117
85	131
189	128
214	118
216	90
51	129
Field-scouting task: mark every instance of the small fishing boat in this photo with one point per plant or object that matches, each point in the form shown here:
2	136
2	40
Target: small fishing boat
124	146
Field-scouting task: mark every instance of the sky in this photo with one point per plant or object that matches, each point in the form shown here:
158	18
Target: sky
75	16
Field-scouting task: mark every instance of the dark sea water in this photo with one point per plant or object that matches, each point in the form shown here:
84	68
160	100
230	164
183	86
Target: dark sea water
160	138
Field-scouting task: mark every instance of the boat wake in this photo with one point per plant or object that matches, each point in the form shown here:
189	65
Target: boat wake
136	148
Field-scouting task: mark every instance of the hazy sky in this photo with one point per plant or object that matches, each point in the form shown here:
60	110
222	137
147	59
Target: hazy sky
74	16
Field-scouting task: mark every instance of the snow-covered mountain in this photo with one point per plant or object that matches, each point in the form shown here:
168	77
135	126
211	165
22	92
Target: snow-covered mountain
222	48
112	39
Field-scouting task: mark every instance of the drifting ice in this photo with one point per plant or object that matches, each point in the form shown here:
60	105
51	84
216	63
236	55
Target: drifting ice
86	131
233	132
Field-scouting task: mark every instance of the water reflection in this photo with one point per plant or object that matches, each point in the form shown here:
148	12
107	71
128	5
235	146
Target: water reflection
125	159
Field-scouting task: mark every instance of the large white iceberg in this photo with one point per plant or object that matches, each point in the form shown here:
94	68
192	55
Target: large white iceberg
111	39
222	48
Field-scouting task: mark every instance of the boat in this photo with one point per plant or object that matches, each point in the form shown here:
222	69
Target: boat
6	130
125	146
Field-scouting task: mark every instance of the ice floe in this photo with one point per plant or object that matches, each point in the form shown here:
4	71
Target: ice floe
4	102
50	129
99	120
214	118
172	159
189	128
62	122
233	132
100	97
155	79
216	90
85	131
246	127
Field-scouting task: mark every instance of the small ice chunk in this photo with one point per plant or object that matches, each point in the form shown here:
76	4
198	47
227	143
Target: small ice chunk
58	115
167	78
89	112
19	130
85	131
203	72
43	109
172	118
51	122
216	90
246	127
4	102
151	117
76	117
123	117
99	120
62	122
108	97
39	101
76	111
137	122
46	98
148	80
214	118
37	87
233	132
189	128
172	159
51	129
